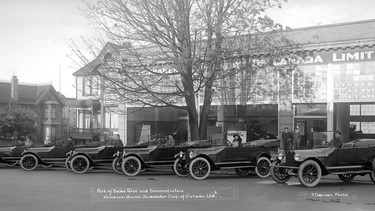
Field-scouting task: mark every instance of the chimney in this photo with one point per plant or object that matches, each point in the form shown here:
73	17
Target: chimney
14	88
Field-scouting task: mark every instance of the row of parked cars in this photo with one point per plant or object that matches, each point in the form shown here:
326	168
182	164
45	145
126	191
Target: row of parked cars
199	158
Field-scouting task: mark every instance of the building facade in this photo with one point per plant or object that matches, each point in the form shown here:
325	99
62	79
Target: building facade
330	87
43	100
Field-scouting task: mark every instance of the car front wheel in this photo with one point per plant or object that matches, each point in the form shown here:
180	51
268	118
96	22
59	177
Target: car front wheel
29	162
116	165
263	167
179	168
309	173
347	177
79	164
243	172
131	166
280	175
67	163
199	168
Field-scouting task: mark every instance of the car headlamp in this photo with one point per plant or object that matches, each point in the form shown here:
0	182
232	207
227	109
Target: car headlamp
192	154
280	156
297	157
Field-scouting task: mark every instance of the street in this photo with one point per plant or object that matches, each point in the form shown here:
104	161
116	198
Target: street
59	189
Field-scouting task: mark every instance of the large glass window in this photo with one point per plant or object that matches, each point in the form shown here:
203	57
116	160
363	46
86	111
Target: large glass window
354	81
310	83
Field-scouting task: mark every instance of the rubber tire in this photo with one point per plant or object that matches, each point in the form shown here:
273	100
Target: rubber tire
301	170
85	159
263	159
179	171
345	178
67	163
193	165
275	171
47	166
115	165
242	172
138	166
372	177
35	164
11	164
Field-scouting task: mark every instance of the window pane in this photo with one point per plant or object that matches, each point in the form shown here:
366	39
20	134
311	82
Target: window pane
355	110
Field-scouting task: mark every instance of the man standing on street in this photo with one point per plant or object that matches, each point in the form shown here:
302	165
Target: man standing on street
297	139
287	138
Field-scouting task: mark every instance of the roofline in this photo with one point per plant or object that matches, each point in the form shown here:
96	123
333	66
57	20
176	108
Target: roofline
331	25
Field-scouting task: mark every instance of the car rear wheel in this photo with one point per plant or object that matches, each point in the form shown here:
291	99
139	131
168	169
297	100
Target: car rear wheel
179	168
67	163
243	172
47	165
280	175
263	167
309	173
29	162
347	177
79	164
11	164
131	166
372	174
199	168
116	165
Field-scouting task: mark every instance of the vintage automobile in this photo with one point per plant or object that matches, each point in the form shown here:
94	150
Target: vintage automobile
11	155
251	156
138	159
348	160
80	160
47	156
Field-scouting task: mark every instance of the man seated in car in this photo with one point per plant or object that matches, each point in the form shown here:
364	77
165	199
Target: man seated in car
336	141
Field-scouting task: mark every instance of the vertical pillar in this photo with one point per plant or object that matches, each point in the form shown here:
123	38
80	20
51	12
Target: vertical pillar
122	123
343	120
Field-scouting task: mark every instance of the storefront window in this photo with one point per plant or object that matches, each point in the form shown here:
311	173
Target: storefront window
310	83
354	81
355	110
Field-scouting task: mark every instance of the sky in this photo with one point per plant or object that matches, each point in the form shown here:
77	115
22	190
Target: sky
35	34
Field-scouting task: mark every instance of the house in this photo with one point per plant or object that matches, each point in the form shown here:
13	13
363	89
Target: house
42	99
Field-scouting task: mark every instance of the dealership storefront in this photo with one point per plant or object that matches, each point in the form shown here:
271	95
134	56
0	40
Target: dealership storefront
340	85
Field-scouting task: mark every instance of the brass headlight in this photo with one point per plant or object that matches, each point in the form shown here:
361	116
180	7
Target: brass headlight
192	154
280	156
297	157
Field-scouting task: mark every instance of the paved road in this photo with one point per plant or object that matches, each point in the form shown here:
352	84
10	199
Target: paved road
59	189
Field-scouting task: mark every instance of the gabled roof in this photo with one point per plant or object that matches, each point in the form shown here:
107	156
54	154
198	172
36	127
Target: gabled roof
28	94
93	65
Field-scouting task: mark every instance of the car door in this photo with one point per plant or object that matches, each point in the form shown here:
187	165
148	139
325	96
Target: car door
346	156
233	154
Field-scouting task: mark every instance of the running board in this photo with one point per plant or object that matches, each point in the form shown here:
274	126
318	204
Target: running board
353	172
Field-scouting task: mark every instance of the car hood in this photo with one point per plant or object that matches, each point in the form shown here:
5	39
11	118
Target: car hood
315	152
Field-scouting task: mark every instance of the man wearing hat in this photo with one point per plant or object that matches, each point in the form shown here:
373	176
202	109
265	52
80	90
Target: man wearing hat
237	141
287	138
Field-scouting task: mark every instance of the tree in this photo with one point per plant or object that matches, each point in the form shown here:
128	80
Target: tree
177	50
17	122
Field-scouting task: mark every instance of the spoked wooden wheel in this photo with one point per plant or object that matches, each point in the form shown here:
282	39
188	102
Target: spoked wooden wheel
263	167
11	164
347	177
29	162
131	166
199	168
67	163
309	173
79	164
116	165
179	168
243	172
280	175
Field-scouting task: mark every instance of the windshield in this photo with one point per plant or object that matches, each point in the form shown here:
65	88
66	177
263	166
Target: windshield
323	139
